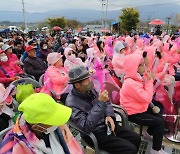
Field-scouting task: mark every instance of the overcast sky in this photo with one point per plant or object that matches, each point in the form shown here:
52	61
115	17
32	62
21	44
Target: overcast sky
48	5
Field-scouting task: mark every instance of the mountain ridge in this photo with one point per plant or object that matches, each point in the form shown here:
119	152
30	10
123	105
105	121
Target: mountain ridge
146	13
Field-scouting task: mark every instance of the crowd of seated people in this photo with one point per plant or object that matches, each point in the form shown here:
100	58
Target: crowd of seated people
75	69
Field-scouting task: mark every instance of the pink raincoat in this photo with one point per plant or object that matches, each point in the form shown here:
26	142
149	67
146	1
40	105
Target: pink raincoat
55	79
68	64
135	94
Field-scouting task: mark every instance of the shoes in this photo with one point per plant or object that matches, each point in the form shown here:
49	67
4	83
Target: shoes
158	152
148	137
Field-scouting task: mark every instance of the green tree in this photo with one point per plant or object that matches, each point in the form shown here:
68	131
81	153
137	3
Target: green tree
71	23
129	19
61	22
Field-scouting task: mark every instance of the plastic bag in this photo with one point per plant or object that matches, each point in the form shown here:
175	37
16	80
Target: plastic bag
74	147
176	96
23	91
162	96
71	142
169	109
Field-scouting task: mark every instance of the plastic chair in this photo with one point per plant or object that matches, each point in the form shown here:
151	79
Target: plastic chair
110	87
27	81
92	137
124	122
41	80
4	132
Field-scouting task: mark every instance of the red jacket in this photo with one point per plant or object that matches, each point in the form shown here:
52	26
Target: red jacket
12	58
11	70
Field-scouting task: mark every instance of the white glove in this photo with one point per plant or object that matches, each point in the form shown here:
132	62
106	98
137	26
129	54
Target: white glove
156	109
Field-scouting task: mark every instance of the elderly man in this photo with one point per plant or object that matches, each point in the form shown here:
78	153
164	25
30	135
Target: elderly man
37	130
92	112
34	65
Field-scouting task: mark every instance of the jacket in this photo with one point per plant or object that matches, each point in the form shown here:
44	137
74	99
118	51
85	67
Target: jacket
12	57
69	64
55	78
118	64
34	66
45	53
9	70
25	55
21	140
136	92
88	113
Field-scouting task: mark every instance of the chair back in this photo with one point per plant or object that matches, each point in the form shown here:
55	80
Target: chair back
3	133
92	137
41	80
26	81
110	87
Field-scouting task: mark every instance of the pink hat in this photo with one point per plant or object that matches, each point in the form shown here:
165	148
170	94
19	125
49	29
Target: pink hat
63	41
52	58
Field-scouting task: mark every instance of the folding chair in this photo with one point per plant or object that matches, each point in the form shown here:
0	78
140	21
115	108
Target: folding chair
41	80
110	87
91	136
26	81
124	122
3	133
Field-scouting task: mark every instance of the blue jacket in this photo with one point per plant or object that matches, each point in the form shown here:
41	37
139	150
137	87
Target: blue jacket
25	55
88	113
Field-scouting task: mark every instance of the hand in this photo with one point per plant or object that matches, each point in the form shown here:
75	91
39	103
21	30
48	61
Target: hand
66	133
149	74
17	77
156	109
111	121
17	62
103	96
12	78
1	105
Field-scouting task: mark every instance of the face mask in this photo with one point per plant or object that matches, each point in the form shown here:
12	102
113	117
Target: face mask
51	129
88	87
4	58
72	57
47	130
45	47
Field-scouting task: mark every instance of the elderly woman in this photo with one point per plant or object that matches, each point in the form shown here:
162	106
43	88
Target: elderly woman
56	77
9	71
118	59
11	56
6	108
71	59
37	130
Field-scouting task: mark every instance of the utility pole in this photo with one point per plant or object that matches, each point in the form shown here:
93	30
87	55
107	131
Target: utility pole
103	20
106	12
168	24
24	15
